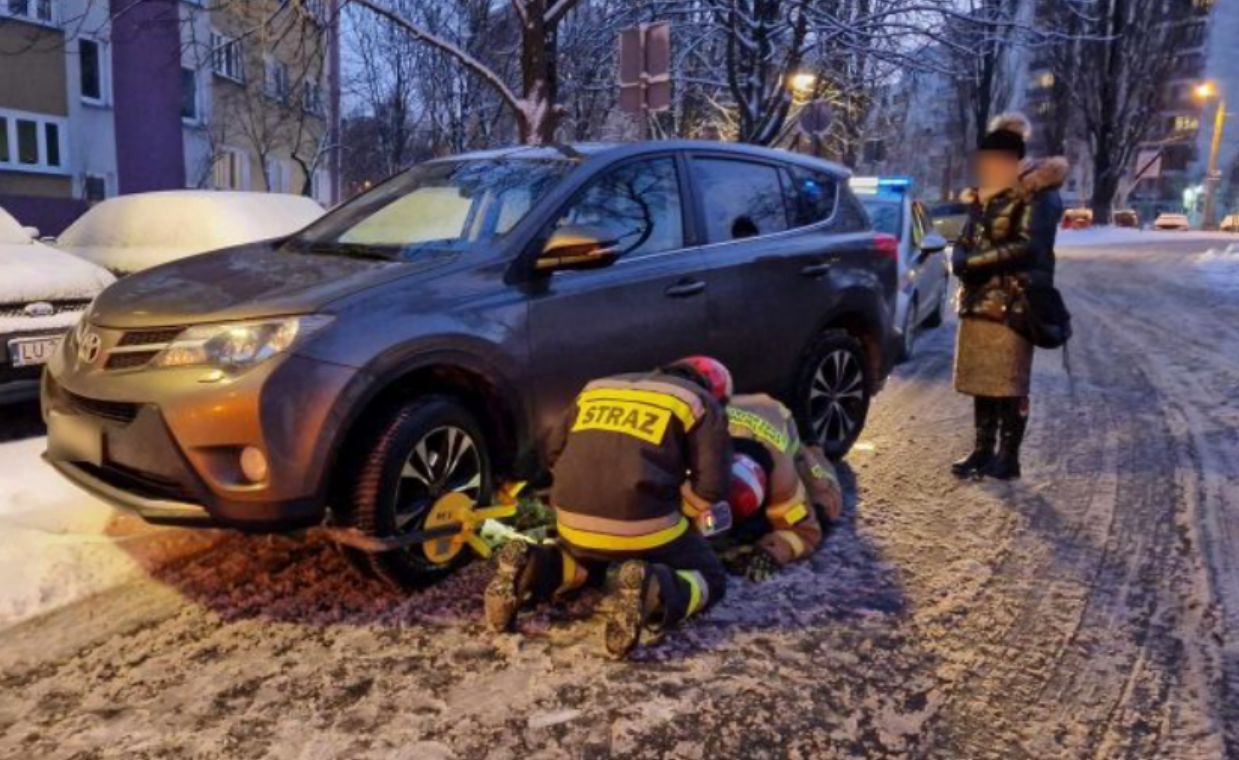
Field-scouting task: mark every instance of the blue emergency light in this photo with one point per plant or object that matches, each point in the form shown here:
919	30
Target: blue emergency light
875	185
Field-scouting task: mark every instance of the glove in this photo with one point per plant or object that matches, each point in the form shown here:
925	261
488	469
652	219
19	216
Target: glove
959	260
761	566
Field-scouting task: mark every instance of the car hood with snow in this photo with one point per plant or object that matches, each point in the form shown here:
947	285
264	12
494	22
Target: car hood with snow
31	273
134	232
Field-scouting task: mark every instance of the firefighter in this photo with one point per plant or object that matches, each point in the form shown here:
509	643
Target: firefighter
619	460
782	491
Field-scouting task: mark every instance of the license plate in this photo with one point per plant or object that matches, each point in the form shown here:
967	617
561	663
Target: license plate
74	439
29	352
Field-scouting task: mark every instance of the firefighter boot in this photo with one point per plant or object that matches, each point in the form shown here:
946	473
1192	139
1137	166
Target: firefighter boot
504	592
986	419
638	602
1006	466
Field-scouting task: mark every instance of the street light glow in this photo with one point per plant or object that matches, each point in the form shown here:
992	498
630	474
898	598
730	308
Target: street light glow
802	83
1206	90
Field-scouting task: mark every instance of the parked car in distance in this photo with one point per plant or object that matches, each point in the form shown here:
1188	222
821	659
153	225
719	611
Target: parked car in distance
129	233
1126	218
426	337
1230	223
43	293
1175	222
949	219
1077	218
924	275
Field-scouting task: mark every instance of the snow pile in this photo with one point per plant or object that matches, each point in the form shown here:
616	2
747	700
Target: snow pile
59	545
1115	236
133	232
1220	267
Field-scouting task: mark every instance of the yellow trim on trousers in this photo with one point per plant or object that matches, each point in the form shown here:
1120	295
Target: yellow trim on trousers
698	591
608	542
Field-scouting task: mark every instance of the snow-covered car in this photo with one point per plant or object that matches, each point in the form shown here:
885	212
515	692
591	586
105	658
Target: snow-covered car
1126	217
1175	222
129	233
1230	223
43	293
1077	218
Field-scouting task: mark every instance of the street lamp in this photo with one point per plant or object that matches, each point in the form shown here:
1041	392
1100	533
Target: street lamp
802	83
1206	91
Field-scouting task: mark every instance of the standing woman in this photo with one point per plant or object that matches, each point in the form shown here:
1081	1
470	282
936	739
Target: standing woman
1007	244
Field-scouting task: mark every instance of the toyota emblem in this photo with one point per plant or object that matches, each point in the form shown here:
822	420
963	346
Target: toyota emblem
39	309
90	348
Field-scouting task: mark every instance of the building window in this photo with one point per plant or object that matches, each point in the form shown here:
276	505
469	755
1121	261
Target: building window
276	77
189	95
313	101
40	11
279	176
1185	124
231	170
91	66
94	188
226	57
32	142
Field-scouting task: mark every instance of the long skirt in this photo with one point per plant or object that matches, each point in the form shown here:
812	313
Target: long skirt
991	359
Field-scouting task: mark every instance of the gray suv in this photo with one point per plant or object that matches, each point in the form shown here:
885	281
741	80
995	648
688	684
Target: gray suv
423	338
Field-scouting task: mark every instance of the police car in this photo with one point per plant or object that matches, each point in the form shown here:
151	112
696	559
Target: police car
924	274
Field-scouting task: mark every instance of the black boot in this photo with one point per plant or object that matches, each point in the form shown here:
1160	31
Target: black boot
1006	466
986	420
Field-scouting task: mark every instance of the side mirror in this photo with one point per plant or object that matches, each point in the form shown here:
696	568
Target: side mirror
31	232
576	246
933	242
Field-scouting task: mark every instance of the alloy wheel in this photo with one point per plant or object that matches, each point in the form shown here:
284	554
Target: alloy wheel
836	397
444	460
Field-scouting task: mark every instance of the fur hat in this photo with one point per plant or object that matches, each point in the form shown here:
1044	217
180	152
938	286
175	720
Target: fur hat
1008	132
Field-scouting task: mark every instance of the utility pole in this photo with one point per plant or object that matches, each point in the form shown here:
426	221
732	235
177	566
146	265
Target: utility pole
1206	91
1213	175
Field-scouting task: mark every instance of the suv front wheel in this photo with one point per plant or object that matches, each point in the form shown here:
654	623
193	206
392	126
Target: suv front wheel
422	450
832	393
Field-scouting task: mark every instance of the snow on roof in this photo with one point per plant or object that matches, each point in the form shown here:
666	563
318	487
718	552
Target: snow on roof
132	232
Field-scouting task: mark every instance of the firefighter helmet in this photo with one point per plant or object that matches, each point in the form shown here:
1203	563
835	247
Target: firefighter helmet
712	372
748	487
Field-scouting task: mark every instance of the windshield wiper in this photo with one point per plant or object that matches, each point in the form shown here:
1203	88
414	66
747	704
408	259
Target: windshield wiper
336	248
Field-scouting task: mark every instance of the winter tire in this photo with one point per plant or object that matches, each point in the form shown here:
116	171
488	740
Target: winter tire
939	314
832	393
421	451
907	343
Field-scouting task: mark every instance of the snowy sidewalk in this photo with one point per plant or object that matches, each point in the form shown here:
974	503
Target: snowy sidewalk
59	545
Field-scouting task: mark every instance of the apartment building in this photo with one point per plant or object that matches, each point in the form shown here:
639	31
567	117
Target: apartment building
103	97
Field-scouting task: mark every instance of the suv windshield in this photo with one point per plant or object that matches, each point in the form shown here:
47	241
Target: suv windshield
443	205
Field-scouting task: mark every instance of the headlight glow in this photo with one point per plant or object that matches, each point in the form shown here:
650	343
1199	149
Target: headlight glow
237	345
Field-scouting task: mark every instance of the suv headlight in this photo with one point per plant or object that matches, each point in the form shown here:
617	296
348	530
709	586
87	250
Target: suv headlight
237	345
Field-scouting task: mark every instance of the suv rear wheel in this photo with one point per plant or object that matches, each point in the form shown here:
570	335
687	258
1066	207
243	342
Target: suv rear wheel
832	393
422	450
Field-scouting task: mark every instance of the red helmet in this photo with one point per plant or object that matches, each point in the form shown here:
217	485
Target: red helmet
713	371
748	487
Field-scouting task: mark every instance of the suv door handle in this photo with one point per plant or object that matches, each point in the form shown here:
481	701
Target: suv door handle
685	288
815	270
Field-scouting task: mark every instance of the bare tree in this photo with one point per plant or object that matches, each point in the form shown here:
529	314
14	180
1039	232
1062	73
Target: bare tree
536	109
1130	55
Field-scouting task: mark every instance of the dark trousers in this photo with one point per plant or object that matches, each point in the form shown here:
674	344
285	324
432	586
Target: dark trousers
686	568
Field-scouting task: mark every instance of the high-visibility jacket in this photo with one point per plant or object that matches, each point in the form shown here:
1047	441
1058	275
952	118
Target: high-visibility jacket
799	476
623	452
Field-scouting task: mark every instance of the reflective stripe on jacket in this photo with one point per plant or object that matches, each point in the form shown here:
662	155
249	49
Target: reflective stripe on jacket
622	453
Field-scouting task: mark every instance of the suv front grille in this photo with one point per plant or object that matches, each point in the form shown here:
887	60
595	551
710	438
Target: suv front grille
157	337
143	484
136	348
116	411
